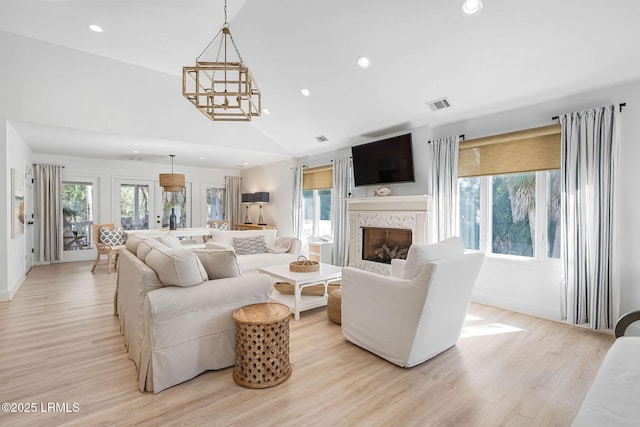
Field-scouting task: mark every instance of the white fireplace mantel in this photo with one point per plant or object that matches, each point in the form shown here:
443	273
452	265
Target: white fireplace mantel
390	203
403	212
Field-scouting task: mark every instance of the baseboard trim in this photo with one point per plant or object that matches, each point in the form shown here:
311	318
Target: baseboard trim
11	292
512	304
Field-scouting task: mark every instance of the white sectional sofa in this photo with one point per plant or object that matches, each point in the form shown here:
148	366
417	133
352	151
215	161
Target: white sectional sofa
175	309
279	250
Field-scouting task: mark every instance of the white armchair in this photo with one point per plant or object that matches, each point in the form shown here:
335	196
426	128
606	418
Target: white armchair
412	318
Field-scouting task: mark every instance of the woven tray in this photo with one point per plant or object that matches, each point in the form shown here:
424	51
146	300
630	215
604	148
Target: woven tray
303	265
286	288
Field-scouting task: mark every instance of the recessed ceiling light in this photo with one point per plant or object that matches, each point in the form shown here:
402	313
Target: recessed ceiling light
245	163
265	111
471	7
201	158
135	151
96	28
364	62
305	92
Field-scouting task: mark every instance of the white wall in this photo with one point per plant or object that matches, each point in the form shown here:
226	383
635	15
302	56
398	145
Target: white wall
107	170
49	84
5	179
277	180
53	85
521	285
534	287
18	155
75	89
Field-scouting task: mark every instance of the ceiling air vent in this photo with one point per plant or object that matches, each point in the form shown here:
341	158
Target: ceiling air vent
321	138
439	104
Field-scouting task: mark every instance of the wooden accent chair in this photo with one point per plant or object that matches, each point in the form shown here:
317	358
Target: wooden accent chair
111	251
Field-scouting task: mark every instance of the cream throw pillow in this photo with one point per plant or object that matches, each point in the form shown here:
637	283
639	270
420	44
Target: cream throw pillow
218	264
419	255
133	240
146	246
283	244
176	267
170	241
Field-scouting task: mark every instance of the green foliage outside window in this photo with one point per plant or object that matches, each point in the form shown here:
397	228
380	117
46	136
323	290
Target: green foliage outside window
325	204
469	195
75	202
514	209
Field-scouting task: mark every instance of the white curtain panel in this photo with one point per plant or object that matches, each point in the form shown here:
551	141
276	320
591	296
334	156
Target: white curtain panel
297	202
588	174
341	191
48	210
444	185
233	204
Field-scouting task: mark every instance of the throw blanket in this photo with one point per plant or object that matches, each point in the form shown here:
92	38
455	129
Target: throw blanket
283	244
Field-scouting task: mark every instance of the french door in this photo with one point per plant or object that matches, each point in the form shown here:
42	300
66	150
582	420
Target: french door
133	204
79	204
28	224
142	205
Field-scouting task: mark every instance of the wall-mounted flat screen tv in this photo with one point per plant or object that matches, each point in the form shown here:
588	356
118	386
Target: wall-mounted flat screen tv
383	162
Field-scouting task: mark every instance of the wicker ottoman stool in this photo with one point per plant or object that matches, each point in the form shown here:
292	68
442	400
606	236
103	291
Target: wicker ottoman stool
262	345
334	306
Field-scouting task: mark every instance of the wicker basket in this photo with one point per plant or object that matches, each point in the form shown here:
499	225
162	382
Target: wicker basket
303	265
286	288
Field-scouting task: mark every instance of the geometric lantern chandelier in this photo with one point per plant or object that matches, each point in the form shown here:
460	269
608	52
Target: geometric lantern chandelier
223	90
172	182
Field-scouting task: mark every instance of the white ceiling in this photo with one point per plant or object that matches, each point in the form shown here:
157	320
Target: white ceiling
514	53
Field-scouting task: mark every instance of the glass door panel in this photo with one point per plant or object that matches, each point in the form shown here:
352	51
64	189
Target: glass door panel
134	204
77	209
215	204
180	201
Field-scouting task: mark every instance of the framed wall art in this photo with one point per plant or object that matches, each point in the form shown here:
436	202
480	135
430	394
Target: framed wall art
17	203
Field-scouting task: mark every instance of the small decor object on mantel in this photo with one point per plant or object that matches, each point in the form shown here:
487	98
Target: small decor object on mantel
303	265
381	192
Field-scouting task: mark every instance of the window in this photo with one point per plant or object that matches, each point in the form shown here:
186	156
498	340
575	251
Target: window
553	214
317	184
513	214
509	193
77	210
317	212
215	204
469	195
134	206
177	201
501	210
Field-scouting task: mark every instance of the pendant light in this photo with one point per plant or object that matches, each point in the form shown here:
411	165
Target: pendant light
172	182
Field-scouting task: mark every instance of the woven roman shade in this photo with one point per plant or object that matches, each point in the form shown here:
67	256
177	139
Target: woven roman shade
528	150
317	178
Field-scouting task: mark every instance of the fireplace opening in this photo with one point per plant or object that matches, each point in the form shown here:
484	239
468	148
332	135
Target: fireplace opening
384	244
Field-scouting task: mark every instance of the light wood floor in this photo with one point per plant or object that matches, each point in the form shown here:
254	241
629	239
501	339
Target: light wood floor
61	343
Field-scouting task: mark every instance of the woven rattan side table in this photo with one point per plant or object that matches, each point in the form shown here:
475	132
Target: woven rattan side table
334	306
262	345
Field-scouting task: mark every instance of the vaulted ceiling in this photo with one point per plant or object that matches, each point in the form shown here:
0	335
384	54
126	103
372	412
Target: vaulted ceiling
512	54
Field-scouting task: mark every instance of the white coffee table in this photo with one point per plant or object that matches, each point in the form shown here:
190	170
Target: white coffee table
298	302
